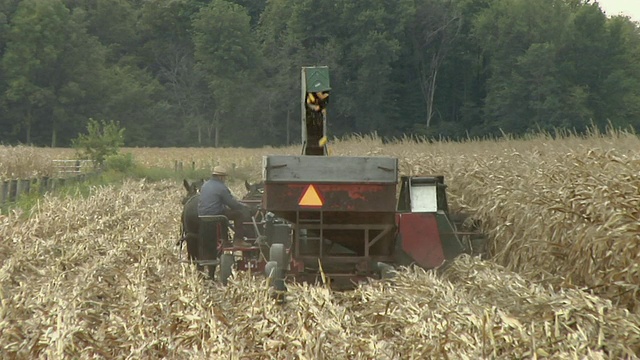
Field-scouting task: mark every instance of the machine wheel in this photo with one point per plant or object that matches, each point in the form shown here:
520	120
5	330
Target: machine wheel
278	255
226	266
386	271
269	268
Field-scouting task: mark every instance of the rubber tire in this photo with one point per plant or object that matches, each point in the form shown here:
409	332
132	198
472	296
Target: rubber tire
386	271
269	268
226	267
278	254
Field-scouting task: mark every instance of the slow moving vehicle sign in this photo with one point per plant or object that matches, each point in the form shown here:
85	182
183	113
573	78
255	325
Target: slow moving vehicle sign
310	197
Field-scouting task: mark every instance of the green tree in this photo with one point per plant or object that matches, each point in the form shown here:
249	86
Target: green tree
435	28
185	72
288	42
8	130
585	54
254	8
169	49
371	34
506	31
49	64
228	55
621	86
114	23
463	75
101	140
549	101
134	97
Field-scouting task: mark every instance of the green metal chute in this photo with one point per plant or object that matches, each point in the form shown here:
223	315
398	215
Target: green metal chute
315	98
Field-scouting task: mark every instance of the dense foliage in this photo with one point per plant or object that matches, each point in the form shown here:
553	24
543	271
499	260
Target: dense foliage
222	72
102	139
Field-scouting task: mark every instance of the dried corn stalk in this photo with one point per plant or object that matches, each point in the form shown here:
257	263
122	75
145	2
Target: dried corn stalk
100	278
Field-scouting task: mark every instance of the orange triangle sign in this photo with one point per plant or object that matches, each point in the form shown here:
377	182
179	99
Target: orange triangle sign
310	197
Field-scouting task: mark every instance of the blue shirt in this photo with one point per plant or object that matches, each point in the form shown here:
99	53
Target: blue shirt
215	196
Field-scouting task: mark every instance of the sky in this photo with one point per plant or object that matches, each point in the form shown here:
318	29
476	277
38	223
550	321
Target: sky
629	8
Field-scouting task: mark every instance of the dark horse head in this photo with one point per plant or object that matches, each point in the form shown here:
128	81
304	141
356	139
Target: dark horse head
192	187
254	191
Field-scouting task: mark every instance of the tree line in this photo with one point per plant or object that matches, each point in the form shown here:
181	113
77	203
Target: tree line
227	72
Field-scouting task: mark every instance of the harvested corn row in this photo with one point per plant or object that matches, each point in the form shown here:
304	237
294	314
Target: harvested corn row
101	278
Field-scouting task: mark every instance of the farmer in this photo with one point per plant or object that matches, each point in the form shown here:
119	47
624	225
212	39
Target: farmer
216	199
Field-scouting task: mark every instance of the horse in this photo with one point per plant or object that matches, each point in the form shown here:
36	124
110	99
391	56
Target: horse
190	220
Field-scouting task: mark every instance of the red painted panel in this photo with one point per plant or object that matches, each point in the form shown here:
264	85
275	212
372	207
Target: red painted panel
335	197
421	239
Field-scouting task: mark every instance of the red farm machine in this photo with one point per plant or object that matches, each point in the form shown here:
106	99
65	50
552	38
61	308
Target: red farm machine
339	217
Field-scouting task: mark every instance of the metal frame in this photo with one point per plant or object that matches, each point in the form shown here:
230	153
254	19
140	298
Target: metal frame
361	262
252	259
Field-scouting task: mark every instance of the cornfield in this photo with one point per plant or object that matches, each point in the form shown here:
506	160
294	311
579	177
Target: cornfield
23	162
101	277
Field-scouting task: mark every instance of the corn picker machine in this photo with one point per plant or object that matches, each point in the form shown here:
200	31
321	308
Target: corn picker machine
339	218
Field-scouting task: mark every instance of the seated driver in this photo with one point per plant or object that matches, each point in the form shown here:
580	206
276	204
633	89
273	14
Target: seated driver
216	199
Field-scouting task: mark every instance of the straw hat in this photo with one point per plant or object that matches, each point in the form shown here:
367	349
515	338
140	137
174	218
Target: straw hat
219	170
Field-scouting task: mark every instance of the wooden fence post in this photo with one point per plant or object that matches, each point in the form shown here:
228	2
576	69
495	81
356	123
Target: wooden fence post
22	187
4	191
13	189
60	182
178	166
43	184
